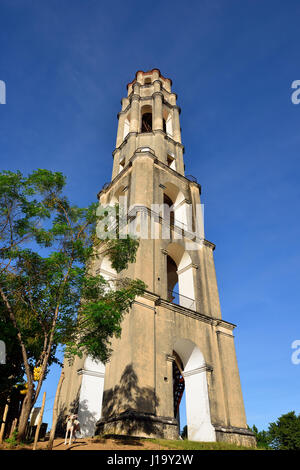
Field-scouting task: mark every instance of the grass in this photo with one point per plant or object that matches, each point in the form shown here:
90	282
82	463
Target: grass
184	444
193	445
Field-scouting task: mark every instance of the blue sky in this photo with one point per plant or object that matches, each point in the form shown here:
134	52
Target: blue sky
66	66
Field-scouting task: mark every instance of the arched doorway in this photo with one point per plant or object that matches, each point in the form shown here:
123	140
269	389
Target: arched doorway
178	386
196	392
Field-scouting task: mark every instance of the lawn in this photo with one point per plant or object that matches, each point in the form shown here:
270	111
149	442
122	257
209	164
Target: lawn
193	445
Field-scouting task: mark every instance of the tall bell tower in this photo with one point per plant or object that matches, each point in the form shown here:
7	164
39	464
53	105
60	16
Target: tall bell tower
174	338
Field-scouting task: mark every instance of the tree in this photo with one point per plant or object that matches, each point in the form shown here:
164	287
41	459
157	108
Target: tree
55	411
12	371
284	434
47	286
184	433
262	437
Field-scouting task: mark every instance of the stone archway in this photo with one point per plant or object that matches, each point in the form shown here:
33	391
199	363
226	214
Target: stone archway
175	200
146	119
197	400
178	385
180	270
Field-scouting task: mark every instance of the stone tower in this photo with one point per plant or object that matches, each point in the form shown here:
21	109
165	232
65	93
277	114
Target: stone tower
174	338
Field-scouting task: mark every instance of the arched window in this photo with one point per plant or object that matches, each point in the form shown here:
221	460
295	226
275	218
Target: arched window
172	277
106	270
169	129
121	164
126	127
147	122
179	209
147	81
180	278
168	202
167	123
146	125
171	162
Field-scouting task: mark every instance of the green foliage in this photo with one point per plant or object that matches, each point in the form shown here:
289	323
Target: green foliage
12	441
12	371
284	434
184	434
49	295
24	203
262	438
100	315
123	248
122	252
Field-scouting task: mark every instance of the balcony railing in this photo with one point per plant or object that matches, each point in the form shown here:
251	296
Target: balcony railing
181	300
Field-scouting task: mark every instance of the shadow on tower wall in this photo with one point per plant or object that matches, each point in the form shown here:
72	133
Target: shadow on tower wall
128	408
63	413
86	419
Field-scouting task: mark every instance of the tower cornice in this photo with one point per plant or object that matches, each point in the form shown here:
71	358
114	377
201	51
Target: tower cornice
156	162
153	132
147	98
209	244
147	73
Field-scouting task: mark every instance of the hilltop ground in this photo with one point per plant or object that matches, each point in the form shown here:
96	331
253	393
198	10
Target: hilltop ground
129	443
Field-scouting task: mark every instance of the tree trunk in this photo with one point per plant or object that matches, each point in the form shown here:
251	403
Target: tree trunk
37	431
3	422
25	412
55	411
13	427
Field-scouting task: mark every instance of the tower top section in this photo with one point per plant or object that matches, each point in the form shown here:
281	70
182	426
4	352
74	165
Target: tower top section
147	78
149	119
